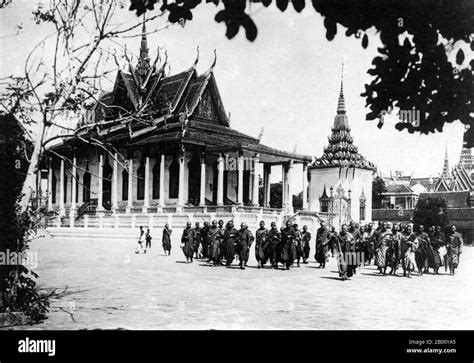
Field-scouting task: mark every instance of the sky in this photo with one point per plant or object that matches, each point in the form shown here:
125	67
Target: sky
287	81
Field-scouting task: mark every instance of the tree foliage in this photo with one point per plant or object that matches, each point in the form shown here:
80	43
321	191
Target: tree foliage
378	187
414	69
431	212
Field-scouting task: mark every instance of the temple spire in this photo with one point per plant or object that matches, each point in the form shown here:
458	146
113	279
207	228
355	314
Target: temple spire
341	105
144	60
445	173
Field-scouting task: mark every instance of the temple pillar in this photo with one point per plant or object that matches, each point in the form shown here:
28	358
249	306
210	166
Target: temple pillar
72	211
202	191
162	181
100	207
240	187
283	186
50	185
62	211
182	160
255	199
305	186
146	196
130	186
115	184
289	197
267	170
220	180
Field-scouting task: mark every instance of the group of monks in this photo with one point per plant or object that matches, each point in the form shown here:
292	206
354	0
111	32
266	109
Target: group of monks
390	245
221	244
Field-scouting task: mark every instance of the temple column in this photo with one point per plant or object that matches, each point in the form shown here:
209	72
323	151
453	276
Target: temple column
50	185
289	198
115	184
146	196
202	194
72	211
305	186
267	169
100	207
182	159
255	199
240	171
62	211
130	186
162	181
283	186
220	180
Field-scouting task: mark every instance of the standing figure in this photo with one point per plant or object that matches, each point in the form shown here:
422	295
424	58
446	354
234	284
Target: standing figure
243	243
454	249
393	251
197	240
346	254
261	245
221	227
433	259
166	239
214	238
438	242
333	241
297	248
322	240
381	246
148	238
285	247
274	238
408	247
306	237
421	254
204	239
230	236
187	242
141	238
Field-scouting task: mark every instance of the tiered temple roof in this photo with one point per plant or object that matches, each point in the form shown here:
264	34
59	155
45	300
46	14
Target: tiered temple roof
341	151
147	107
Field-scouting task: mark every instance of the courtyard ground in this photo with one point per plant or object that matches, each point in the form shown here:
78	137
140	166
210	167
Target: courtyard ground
101	283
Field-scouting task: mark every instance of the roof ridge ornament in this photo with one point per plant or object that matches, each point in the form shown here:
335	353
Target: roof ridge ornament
215	59
197	57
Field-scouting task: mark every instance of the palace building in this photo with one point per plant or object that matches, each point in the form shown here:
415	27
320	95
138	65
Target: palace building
161	144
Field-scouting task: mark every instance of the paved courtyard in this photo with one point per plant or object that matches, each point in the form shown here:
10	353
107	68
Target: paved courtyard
103	284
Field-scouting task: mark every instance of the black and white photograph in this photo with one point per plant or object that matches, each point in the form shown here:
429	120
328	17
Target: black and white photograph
237	165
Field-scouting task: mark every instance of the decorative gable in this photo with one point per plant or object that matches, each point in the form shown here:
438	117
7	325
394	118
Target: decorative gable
206	108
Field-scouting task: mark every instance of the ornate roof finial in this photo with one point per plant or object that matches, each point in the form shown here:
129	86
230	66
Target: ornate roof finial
341	105
215	59
143	60
197	57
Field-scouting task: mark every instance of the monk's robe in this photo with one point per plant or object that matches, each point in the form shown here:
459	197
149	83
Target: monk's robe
187	240
408	247
261	243
274	238
455	243
306	237
197	239
286	247
381	247
243	242
421	254
438	242
204	241
230	236
214	240
166	239
322	239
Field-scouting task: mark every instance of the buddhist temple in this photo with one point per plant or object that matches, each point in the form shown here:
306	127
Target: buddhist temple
161	144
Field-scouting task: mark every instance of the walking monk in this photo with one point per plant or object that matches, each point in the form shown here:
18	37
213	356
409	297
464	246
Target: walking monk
166	239
243	243
306	237
187	242
230	236
261	244
214	239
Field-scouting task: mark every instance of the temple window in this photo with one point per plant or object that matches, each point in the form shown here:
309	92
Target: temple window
156	181
124	185
174	178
